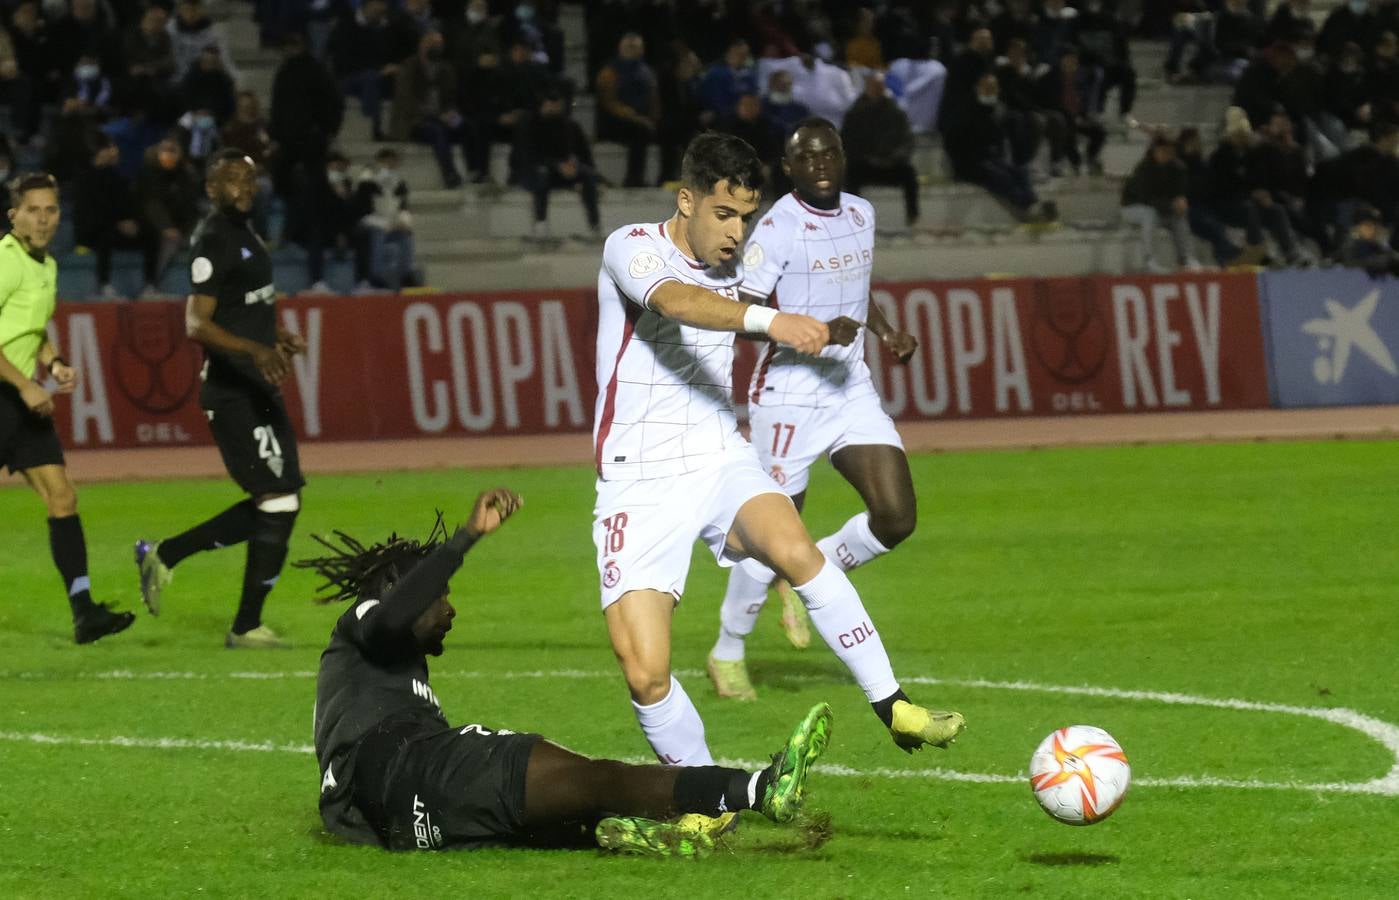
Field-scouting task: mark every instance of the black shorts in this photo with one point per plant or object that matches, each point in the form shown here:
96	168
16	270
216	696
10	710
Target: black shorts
459	788
27	440
255	438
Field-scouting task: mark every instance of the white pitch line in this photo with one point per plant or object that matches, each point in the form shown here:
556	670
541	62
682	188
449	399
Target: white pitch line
1378	730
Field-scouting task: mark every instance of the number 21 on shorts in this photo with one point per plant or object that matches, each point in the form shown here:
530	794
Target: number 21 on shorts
780	446
267	446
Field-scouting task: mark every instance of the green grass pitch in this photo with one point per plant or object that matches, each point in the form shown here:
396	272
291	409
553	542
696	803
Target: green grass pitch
1262	573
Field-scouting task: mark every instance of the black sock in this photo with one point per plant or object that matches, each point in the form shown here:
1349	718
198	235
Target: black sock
267	550
885	708
232	526
711	790
69	550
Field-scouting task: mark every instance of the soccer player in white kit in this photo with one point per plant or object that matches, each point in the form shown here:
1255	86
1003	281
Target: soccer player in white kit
813	253
672	466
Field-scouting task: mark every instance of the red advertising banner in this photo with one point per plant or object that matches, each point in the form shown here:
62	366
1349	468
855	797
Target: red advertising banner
522	362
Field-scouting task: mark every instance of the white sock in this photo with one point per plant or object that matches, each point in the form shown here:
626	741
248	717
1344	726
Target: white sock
853	545
840	617
672	726
753	790
743	601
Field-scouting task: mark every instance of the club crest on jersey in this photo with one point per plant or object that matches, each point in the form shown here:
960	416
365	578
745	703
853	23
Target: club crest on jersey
611	574
644	264
812	226
855	214
778	475
768	222
753	256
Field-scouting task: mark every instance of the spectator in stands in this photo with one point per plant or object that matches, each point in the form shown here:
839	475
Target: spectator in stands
192	32
532	24
474	33
1365	175
1068	93
1383	85
306	114
247	130
489	106
34	52
87	29
1279	184
1018	20
1237	33
134	132
781	109
681	112
1233	175
879	145
526	80
366	50
1204	223
87	100
552	152
148	54
964	72
382	197
1056	30
629	105
209	87
1101	36
726	81
1291	21
979	150
107	218
1260	88
340	214
1352	22
1347	102
863	48
168	192
1155	196
17	91
748	123
425	107
1367	246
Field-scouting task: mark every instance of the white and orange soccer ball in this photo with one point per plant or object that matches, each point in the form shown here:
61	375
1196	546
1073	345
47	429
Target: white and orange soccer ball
1079	774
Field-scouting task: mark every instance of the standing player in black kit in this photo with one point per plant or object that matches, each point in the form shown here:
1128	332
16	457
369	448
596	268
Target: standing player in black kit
231	312
394	773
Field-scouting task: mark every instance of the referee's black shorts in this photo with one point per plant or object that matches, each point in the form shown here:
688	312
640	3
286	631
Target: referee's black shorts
255	438
458	788
27	440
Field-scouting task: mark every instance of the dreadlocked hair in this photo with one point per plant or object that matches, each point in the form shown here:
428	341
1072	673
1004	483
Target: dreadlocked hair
353	570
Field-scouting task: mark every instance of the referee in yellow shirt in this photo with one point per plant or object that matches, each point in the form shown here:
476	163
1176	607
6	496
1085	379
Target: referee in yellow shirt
28	440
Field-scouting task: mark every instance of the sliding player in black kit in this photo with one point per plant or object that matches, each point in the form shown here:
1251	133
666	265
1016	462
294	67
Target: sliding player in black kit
231	312
394	773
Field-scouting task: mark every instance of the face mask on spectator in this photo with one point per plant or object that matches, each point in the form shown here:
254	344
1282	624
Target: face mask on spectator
524	12
204	121
87	71
781	98
987	99
1359	7
475	17
336	177
1304	54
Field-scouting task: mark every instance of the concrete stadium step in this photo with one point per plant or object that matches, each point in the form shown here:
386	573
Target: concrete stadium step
503	264
457	216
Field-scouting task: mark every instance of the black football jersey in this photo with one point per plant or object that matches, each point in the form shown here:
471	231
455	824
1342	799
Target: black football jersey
229	262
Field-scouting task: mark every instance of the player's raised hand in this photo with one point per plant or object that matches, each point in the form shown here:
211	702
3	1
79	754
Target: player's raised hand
844	330
492	508
902	344
803	333
271	363
65	375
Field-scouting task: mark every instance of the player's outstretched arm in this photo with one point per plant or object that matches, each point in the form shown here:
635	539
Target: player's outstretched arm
392	620
200	326
702	308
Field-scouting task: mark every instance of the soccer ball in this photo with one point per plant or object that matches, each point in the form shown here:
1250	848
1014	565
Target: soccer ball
1079	774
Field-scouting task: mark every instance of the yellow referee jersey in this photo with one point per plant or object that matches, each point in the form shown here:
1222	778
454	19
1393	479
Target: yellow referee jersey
28	289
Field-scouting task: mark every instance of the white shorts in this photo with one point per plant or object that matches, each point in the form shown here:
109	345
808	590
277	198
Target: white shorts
789	439
645	531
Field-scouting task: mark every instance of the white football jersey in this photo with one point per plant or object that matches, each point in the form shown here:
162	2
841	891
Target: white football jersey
816	262
664	403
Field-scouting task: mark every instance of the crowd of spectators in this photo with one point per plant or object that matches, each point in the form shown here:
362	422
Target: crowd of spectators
124	100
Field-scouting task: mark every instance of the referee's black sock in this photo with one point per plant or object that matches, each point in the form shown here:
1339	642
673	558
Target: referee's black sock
232	526
267	551
714	790
69	549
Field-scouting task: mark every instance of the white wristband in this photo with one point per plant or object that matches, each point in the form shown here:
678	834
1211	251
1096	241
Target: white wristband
758	319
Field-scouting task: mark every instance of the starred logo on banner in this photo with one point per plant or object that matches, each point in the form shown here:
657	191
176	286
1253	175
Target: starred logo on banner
1343	330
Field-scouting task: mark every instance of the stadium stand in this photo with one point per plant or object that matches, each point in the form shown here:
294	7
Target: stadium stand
482	235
